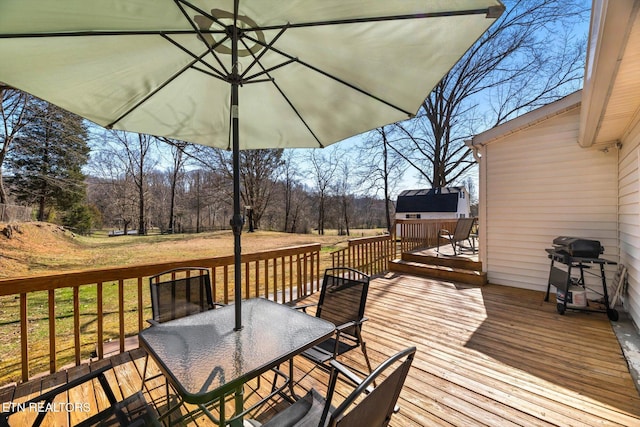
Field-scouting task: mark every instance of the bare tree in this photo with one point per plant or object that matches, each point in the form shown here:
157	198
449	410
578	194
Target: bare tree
324	165
258	172
13	105
343	190
528	58
111	189
290	178
134	153
383	167
176	173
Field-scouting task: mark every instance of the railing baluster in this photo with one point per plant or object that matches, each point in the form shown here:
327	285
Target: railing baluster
140	306
52	331
291	279
120	313
283	281
246	281
100	320
266	279
302	288
76	322
214	283
257	273
226	284
275	279
24	330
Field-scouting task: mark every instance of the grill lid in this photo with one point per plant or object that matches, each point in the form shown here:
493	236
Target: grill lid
578	247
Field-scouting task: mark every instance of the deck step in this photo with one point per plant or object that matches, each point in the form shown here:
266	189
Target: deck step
445	261
441	272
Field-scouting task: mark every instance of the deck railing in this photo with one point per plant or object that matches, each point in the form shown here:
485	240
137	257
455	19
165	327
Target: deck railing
421	233
371	255
78	311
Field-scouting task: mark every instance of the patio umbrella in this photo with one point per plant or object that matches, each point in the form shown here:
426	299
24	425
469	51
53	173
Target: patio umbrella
310	73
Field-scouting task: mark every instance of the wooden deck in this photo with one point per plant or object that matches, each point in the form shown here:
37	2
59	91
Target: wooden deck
489	355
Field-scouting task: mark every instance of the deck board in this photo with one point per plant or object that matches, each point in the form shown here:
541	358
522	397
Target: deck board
489	355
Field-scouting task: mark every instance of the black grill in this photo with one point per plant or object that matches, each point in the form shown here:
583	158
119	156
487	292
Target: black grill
577	247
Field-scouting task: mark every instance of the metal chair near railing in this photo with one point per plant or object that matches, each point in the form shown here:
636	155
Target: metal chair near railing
180	292
342	301
461	233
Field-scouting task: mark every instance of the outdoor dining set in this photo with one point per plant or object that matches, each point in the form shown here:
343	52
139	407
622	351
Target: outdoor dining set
205	361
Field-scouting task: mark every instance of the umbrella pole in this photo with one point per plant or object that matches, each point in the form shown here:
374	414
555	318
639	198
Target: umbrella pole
236	221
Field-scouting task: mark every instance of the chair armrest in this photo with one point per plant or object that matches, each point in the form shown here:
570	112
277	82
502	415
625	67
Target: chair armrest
348	374
153	322
444	231
303	307
351	323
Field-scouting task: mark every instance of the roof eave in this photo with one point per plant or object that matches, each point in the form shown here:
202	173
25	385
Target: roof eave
607	42
527	120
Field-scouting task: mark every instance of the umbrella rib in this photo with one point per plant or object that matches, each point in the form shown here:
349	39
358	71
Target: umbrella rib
200	33
156	90
105	33
331	76
295	110
219	73
286	98
257	59
252	77
486	11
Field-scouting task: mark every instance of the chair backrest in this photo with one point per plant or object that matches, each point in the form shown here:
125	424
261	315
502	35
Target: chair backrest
376	408
180	292
463	229
343	296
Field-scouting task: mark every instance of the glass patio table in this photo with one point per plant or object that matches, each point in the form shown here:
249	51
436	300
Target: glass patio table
205	360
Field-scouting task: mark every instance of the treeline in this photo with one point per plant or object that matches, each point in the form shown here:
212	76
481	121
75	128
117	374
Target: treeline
200	200
75	174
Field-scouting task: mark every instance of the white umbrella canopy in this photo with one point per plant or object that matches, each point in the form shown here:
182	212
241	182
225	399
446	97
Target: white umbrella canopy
307	74
345	66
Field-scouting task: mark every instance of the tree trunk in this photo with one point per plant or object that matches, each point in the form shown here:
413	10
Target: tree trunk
387	205
345	214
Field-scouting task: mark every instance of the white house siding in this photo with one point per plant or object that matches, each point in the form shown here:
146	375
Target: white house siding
539	185
629	217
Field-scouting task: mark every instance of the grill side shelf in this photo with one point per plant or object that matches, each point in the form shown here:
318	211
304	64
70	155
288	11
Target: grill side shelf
559	278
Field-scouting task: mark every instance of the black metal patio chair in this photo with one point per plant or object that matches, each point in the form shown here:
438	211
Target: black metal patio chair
180	292
342	301
461	233
131	411
372	408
